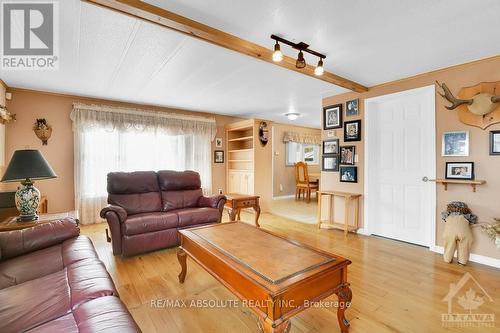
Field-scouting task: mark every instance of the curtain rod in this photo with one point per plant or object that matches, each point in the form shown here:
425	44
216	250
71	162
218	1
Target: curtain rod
125	110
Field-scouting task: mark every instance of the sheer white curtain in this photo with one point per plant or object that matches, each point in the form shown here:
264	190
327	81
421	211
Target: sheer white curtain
116	139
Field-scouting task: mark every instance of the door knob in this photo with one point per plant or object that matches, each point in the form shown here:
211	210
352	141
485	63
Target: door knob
427	179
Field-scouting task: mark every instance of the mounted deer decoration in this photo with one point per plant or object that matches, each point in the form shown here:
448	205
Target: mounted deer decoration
478	105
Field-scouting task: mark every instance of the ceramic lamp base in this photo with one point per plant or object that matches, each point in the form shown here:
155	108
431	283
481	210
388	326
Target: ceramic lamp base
27	199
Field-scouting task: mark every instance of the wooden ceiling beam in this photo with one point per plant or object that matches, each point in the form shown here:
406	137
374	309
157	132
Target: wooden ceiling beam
167	19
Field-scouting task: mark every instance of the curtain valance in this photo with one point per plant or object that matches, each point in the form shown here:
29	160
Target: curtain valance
306	138
128	119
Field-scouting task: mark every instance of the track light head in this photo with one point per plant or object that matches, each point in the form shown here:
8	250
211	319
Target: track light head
277	55
301	62
319	70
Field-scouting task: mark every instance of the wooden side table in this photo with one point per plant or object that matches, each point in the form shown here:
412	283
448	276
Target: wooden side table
11	223
348	198
236	202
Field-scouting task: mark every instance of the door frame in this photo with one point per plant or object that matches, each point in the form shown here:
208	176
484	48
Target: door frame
370	106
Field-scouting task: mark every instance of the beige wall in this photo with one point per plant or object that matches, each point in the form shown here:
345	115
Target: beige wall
485	202
29	105
283	174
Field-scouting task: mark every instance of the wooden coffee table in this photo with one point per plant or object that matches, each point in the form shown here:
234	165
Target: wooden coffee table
236	202
252	263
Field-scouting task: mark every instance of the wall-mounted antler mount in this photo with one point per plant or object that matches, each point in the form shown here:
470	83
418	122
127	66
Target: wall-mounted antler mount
478	105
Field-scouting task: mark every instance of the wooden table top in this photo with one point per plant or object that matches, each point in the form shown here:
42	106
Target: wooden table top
11	223
340	194
259	254
236	196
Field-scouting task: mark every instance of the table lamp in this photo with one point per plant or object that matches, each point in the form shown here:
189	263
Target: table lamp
25	166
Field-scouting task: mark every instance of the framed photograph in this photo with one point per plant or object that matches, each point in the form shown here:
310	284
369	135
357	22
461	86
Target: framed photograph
331	146
455	144
494	142
219	156
460	170
351	108
332	117
347	154
218	142
352	131
331	163
349	174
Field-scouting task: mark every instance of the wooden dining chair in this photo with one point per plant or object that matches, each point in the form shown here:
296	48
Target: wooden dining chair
302	183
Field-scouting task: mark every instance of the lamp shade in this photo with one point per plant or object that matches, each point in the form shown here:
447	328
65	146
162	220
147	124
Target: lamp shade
27	163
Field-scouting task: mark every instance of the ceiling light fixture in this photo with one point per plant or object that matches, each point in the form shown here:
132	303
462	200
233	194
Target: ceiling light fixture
301	61
292	115
277	55
319	70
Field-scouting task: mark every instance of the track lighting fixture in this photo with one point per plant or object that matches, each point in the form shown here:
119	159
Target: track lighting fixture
319	70
301	61
277	55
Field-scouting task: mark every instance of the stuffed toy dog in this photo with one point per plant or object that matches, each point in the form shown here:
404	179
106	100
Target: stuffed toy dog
457	232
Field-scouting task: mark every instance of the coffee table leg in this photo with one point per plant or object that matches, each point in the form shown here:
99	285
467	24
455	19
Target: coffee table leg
266	327
257	215
345	296
181	256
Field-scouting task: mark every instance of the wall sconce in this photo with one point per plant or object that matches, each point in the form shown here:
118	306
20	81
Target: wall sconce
5	116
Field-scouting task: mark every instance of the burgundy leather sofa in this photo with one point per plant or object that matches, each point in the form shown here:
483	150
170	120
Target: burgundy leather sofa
147	208
51	280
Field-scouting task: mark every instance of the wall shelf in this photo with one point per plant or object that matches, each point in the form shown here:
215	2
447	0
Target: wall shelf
243	138
240	150
472	183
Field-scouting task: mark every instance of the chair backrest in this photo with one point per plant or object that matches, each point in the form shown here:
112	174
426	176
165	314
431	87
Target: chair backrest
179	189
301	173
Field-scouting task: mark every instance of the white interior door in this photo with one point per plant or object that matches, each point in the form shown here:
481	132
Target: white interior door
400	150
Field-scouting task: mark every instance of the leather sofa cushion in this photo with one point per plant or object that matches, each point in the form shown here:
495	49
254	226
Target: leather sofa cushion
27	267
178	180
180	199
149	222
37	301
194	216
105	314
137	192
151	241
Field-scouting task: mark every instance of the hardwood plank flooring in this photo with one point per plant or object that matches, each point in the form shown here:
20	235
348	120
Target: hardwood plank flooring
397	287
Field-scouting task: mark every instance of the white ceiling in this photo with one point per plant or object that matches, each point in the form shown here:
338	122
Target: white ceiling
108	55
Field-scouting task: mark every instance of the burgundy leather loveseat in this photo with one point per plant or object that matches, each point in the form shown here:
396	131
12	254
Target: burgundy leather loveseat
147	208
52	281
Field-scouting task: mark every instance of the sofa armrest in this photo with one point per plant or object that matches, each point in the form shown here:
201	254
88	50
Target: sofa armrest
216	201
119	211
18	242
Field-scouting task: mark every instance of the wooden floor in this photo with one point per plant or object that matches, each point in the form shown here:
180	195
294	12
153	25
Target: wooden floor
396	287
296	210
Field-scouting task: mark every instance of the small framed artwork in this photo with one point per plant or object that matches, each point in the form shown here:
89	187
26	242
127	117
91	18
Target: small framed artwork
455	144
352	130
347	154
219	156
331	146
218	142
460	170
349	174
332	117
331	163
351	108
494	142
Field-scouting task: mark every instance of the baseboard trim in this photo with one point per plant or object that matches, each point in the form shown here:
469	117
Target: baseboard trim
282	197
473	257
363	231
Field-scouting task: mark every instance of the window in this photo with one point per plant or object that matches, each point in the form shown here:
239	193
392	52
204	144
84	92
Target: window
296	152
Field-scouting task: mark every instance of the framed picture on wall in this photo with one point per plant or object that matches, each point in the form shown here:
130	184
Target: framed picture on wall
494	142
352	108
349	174
352	130
331	146
330	163
460	170
219	156
332	117
347	154
455	143
218	142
